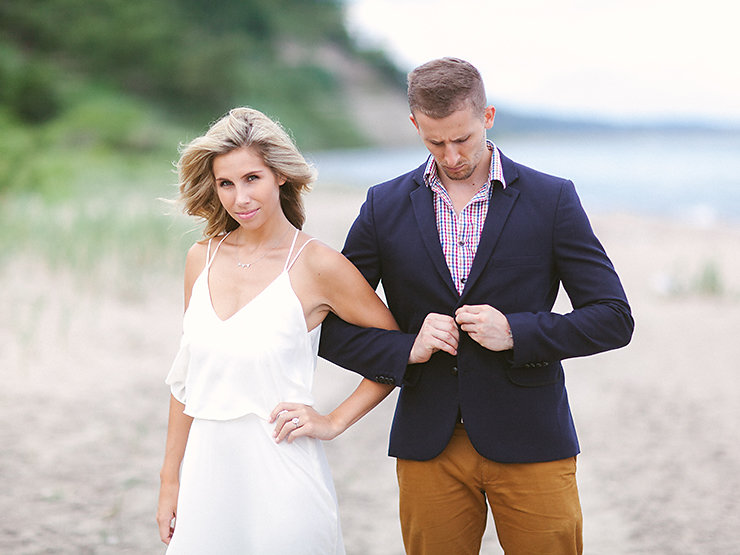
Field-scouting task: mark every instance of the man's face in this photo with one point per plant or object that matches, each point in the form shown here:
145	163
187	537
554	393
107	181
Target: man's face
458	141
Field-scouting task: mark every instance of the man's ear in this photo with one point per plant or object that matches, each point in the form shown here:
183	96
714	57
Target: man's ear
488	116
413	120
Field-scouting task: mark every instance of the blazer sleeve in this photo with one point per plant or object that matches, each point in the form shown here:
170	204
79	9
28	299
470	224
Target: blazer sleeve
601	318
379	355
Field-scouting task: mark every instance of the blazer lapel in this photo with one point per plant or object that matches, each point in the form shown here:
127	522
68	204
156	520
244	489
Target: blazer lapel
501	203
422	200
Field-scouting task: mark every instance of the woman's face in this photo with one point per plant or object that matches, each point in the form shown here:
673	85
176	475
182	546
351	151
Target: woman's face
248	190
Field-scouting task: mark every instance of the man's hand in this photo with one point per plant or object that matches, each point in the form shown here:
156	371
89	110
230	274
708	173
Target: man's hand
438	333
485	325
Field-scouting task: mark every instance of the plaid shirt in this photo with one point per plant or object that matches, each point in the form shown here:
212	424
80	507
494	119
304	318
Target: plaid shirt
460	234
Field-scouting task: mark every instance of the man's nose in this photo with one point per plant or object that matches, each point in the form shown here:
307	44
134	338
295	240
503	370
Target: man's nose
452	155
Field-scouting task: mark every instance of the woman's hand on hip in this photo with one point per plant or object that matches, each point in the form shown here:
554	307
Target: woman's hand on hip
294	420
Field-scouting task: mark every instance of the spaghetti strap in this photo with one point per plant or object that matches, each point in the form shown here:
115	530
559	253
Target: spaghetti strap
289	266
292	246
208	253
209	256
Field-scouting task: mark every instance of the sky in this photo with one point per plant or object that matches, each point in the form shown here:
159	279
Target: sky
624	61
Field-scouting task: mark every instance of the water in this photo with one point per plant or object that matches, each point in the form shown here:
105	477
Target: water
693	176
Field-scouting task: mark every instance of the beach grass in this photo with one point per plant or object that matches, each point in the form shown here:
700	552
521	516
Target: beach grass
104	228
88	192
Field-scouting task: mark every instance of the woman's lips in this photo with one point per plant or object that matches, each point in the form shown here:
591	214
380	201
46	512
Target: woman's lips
247	214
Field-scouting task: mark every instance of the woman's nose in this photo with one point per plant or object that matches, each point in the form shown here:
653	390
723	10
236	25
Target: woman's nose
242	195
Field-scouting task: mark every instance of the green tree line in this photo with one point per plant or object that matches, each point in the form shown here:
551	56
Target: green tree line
189	55
80	78
189	59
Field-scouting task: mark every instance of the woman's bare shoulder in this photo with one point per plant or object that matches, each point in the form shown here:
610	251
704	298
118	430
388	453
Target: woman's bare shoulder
197	252
317	256
195	260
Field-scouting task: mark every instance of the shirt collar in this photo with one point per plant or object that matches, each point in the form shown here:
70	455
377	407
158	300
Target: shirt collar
495	172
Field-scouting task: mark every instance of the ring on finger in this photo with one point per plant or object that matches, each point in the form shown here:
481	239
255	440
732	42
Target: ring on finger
295	421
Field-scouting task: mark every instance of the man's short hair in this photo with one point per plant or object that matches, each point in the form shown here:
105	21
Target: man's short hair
440	87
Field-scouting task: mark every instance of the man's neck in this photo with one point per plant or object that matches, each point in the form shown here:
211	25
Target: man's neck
462	190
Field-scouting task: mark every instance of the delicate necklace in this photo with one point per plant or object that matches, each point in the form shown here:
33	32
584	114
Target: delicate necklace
247	265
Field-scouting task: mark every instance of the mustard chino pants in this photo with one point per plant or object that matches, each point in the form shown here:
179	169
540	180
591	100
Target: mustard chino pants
443	511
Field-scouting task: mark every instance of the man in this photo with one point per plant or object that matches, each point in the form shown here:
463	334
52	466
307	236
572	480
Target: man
471	248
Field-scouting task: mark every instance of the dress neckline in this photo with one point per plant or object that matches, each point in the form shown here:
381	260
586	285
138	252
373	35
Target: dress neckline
289	261
204	277
248	303
207	269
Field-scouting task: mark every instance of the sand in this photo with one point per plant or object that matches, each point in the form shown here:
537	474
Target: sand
83	404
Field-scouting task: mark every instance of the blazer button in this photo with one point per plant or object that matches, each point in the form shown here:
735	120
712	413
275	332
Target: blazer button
454	371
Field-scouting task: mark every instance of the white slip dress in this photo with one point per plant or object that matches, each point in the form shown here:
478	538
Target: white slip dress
240	492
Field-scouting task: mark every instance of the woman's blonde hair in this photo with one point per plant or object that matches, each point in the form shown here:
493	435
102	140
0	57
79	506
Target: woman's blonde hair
241	127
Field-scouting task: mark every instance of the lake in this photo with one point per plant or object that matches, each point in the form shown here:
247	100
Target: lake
690	175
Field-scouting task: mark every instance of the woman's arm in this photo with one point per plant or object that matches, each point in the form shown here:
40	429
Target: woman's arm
367	351
178	428
335	285
345	292
178	424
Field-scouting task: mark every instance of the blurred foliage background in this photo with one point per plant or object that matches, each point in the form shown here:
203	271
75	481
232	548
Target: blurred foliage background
95	98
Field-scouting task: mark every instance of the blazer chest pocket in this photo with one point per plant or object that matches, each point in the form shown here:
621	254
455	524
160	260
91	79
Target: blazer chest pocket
536	377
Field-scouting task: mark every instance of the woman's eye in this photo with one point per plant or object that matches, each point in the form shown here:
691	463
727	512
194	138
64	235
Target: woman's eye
225	183
251	178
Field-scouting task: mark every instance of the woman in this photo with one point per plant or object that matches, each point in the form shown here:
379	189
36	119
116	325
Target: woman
244	470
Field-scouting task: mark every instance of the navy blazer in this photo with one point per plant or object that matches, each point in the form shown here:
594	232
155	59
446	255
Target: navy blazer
514	404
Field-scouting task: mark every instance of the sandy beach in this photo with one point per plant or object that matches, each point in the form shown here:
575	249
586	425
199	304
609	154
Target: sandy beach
83	404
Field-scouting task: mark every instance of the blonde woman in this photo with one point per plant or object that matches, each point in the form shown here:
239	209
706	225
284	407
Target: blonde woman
244	470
